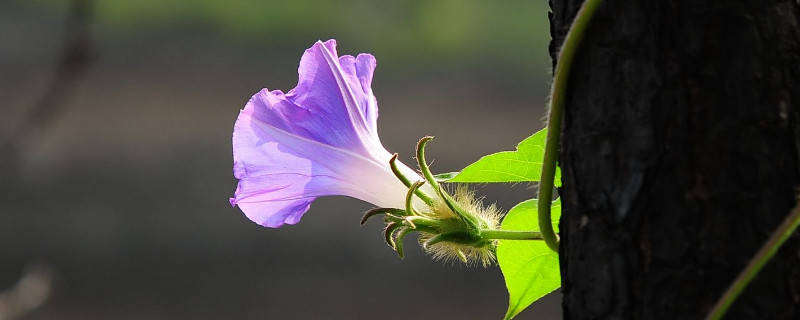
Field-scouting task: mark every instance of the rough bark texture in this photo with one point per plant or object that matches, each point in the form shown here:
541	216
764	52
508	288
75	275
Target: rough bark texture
680	156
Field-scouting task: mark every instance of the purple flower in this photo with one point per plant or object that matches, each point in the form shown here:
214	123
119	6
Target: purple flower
319	139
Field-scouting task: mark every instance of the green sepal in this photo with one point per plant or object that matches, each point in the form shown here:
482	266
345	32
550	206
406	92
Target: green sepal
410	197
422	195
467	218
460	237
399	241
387	211
388	234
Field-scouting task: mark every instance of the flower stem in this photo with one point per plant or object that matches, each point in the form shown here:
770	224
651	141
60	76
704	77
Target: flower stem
755	265
510	234
557	96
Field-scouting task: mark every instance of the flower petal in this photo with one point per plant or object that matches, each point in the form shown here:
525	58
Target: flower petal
358	74
318	139
281	173
330	104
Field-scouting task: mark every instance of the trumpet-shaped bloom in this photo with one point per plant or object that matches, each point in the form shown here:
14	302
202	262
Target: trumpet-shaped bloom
319	139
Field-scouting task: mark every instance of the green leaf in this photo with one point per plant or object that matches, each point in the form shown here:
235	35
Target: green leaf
522	165
443	177
529	267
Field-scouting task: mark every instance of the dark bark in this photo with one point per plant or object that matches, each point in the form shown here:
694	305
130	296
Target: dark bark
680	157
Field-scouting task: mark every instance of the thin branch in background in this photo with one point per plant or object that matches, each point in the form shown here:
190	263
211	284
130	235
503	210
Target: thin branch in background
28	294
72	65
73	61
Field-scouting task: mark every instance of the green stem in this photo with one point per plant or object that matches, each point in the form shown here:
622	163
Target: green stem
557	97
510	235
755	265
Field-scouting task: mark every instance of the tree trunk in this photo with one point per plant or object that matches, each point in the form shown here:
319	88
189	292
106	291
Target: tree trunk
680	157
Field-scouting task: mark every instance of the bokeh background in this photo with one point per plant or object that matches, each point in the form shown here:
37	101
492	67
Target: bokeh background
121	184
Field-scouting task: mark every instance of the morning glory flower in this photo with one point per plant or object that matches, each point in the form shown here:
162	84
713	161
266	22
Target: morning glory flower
318	139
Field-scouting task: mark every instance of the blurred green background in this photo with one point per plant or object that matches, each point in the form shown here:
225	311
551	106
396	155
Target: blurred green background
123	190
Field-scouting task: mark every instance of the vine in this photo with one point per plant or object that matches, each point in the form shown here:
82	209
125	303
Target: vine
555	118
787	227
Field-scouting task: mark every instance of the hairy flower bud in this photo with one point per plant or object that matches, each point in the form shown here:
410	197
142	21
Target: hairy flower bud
461	243
450	229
